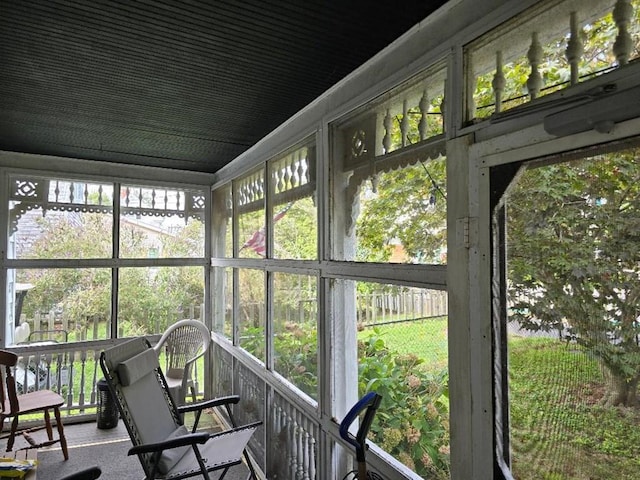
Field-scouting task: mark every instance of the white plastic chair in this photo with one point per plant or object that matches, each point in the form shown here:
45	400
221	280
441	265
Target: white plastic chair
182	344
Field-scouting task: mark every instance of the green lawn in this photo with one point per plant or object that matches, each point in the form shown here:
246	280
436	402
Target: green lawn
559	431
425	338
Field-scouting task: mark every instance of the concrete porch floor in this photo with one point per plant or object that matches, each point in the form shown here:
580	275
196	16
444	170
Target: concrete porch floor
87	433
82	435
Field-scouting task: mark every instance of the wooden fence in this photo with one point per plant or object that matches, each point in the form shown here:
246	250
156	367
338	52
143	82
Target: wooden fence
376	308
413	304
53	326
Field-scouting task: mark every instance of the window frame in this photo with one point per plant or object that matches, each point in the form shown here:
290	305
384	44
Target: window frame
114	262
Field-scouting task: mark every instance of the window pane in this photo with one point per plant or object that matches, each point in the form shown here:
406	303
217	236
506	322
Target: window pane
402	354
251	315
499	63
64	304
51	219
150	299
295	330
161	223
403	216
222	225
295	213
222	300
252	235
295	230
248	196
574	358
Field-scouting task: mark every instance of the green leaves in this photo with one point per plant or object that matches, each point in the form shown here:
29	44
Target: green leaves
408	209
421	441
148	297
574	255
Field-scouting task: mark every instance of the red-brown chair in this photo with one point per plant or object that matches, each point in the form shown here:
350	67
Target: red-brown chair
12	405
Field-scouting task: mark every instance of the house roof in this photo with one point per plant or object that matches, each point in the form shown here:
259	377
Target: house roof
180	84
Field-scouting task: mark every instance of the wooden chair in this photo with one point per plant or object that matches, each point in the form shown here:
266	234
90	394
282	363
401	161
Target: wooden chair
14	405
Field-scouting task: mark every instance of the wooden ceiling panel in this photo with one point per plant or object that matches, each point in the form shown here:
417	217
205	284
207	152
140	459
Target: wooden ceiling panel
180	84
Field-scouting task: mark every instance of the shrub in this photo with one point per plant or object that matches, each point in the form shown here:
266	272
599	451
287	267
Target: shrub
412	422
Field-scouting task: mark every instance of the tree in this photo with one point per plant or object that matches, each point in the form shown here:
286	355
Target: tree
148	297
77	290
295	233
574	260
409	206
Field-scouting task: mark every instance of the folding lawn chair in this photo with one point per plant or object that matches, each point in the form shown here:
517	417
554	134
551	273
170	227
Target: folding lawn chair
166	449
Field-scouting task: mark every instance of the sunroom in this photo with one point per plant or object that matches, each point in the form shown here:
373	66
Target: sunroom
453	225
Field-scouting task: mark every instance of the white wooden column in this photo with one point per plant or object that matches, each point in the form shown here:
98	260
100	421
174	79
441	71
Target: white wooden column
340	308
470	371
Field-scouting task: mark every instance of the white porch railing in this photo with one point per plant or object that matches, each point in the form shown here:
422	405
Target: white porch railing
289	444
70	369
286	447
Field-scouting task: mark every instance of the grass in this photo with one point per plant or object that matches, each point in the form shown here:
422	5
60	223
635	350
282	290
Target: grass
425	338
559	429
